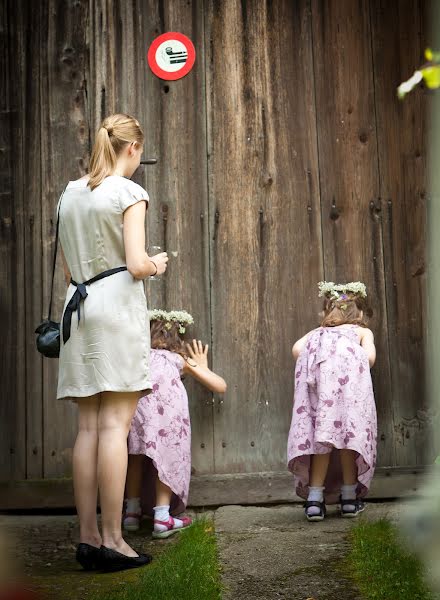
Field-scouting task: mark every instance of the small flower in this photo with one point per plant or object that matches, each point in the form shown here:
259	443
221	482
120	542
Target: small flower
337	291
181	317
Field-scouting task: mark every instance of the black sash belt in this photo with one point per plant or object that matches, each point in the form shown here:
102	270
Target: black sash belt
81	294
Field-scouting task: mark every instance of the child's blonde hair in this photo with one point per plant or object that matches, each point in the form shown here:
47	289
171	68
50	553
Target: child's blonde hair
115	133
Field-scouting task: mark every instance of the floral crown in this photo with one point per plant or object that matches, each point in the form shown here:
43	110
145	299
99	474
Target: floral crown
339	291
178	316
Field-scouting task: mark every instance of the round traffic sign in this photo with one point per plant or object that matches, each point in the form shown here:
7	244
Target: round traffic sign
171	56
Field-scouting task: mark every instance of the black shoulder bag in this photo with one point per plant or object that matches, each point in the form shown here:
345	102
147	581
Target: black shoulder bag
48	332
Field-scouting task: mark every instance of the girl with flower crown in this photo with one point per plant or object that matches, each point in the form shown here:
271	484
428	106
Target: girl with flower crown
160	429
333	434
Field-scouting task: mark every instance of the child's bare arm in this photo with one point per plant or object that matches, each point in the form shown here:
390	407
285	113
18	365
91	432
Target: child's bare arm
197	367
367	343
298	346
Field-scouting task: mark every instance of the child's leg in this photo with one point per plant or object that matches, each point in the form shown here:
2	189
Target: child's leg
164	524
133	488
349	476
318	472
319	468
349	467
134	475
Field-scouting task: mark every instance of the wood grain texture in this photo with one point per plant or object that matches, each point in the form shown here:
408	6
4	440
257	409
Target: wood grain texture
283	158
173	116
266	252
349	176
64	147
397	51
29	195
12	403
178	217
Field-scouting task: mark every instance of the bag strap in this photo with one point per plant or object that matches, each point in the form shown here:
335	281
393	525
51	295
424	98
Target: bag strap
55	254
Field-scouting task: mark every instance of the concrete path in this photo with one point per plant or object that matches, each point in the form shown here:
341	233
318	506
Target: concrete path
272	553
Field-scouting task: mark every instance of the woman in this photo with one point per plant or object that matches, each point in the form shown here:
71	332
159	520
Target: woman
104	355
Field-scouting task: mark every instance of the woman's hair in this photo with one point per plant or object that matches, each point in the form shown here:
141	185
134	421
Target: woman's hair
115	133
348	309
165	335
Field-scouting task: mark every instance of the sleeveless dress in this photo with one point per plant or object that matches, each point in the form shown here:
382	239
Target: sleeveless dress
333	407
109	346
161	430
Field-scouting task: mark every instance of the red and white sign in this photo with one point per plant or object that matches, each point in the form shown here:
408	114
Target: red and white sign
171	56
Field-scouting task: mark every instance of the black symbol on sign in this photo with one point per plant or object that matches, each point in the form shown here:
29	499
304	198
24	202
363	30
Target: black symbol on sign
176	57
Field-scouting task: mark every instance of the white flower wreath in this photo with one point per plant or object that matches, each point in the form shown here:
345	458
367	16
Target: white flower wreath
335	290
178	316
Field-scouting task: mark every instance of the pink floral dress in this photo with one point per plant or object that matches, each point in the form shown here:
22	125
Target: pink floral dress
333	407
161	430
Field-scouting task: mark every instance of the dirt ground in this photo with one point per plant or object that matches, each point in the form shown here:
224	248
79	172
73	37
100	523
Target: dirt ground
266	553
44	548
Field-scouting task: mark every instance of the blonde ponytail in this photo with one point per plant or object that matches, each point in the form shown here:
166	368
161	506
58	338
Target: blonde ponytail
114	134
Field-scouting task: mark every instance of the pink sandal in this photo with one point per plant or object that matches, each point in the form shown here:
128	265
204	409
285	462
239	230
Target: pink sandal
132	521
170	527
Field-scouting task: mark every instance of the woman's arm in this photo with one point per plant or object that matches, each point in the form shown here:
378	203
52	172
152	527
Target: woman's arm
139	264
298	346
197	367
67	275
367	343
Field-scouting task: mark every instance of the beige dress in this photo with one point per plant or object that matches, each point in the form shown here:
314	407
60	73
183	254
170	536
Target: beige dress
109	346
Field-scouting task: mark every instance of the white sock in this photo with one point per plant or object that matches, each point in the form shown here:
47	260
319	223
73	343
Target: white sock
133	505
348	492
162	513
316	494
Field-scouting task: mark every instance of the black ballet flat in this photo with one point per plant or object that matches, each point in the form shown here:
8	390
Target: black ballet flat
87	556
110	560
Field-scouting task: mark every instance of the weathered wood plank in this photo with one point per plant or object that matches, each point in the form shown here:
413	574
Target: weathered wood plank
402	163
12	404
31	187
173	116
349	179
266	487
62	80
266	252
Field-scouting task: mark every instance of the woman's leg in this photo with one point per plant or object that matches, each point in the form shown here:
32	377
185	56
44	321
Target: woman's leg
85	479
115	415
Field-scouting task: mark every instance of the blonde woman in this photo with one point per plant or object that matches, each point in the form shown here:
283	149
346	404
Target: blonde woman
105	341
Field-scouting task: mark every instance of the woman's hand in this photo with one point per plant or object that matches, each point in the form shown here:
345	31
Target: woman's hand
161	262
198	353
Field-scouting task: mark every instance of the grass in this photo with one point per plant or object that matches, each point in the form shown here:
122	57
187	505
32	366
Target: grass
381	567
187	570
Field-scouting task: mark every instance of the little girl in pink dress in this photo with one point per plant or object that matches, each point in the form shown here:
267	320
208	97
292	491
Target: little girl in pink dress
161	430
333	435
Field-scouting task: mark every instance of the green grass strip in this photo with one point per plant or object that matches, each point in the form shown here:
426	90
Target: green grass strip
187	570
381	567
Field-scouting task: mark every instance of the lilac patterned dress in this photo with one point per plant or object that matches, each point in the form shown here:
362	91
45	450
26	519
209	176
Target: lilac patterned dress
333	408
161	430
